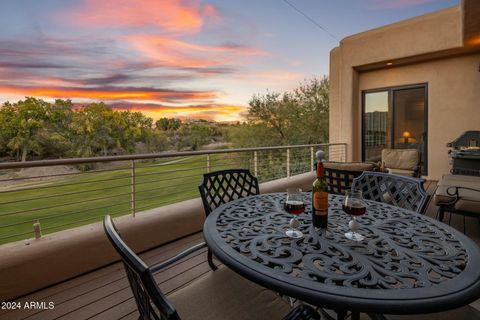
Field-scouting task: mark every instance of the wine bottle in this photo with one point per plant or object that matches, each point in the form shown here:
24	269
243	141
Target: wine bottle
320	199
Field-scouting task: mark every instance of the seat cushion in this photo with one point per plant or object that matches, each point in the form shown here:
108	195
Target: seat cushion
405	159
400	172
223	294
349	166
468	200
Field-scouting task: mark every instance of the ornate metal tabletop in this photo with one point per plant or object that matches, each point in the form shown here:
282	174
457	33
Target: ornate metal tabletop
407	264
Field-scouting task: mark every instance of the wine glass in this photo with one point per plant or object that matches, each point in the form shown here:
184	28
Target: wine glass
294	205
355	206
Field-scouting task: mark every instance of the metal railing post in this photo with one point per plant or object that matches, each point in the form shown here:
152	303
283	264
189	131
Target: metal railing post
133	200
208	163
312	155
288	162
255	163
37	230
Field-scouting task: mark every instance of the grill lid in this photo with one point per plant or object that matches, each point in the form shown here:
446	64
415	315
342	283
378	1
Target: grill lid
469	140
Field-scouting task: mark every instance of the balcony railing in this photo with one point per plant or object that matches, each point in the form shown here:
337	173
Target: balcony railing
67	193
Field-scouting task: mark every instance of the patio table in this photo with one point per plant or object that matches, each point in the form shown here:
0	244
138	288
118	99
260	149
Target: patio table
407	264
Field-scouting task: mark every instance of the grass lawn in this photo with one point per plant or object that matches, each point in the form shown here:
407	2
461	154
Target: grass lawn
66	202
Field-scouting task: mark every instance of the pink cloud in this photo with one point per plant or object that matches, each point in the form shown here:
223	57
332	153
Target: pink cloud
396	4
178	53
185	16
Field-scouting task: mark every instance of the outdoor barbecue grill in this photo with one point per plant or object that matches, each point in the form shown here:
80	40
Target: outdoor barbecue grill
464	154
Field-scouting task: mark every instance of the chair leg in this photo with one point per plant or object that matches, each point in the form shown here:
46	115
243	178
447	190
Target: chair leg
341	314
464	226
210	260
441	213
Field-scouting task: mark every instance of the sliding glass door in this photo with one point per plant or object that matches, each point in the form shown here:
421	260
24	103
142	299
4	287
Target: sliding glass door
376	125
395	118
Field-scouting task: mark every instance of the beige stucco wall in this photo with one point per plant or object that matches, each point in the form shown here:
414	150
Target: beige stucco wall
417	47
453	100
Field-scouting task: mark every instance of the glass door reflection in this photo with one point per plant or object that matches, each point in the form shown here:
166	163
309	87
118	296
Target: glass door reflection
409	125
376	127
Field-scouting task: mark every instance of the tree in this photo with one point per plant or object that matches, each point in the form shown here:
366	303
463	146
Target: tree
296	117
166	124
156	141
8	131
194	135
56	137
21	126
34	127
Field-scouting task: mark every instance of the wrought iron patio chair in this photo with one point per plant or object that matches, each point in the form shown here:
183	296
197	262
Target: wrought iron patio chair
220	187
453	202
400	191
340	175
217	295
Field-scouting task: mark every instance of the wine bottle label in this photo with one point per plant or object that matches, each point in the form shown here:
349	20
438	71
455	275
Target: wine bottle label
320	203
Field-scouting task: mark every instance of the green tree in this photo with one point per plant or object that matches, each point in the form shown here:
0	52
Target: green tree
156	141
296	117
166	124
7	127
194	135
22	123
56	136
92	129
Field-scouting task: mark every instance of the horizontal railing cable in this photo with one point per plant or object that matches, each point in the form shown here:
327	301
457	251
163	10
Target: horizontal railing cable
64	185
132	183
63	205
65	214
65	194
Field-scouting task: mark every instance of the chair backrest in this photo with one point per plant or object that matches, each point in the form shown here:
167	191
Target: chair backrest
151	302
223	186
340	175
404	159
400	191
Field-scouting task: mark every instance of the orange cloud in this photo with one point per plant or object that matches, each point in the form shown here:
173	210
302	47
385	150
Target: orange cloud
217	112
109	93
178	53
185	16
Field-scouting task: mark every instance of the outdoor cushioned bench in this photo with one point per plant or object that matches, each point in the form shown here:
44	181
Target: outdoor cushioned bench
458	194
403	162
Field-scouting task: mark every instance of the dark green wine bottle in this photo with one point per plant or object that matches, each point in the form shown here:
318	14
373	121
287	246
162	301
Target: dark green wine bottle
320	199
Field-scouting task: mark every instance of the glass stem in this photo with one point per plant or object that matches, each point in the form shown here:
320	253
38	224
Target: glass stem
354	219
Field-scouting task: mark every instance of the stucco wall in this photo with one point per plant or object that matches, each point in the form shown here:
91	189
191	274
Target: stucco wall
428	48
453	100
436	31
433	32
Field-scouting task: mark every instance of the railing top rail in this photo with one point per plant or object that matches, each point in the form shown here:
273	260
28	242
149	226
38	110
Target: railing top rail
56	162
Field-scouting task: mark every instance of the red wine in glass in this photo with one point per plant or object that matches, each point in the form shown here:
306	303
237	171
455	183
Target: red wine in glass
355	209
355	206
294	207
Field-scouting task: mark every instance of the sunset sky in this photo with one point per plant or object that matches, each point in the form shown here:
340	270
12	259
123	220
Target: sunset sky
177	58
